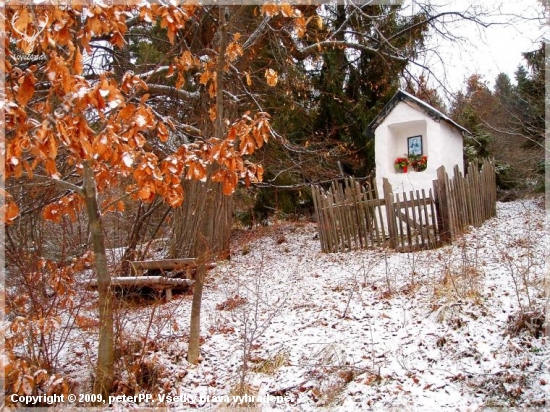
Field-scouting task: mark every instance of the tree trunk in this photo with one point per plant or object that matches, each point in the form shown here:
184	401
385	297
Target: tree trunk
213	221
193	351
105	356
206	210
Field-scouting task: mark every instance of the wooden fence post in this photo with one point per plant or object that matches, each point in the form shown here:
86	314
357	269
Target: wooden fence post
390	212
321	224
442	205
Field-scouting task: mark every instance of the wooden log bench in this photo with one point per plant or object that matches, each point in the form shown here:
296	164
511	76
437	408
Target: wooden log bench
168	265
155	282
170	269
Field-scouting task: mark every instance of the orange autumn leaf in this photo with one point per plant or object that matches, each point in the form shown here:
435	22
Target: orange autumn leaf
77	65
162	132
127	112
300	26
51	147
186	61
52	213
51	168
9	212
199	172
232	134
118	40
213	113
212	89
271	77
234	51
270	9
247	145
288	11
230	183
228	188
180	82
84	322
145	192
206	76
248	79
219	176
319	21
258	137
26	88
170	71
174	197
260	172
139	140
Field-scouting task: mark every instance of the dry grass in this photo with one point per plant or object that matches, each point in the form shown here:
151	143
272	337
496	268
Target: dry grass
460	283
330	375
330	383
232	303
270	366
461	275
242	390
533	322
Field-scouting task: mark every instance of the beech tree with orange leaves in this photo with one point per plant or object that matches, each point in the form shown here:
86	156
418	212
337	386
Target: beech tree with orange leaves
89	130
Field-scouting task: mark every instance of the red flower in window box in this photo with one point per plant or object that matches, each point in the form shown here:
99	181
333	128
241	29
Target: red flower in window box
419	163
401	163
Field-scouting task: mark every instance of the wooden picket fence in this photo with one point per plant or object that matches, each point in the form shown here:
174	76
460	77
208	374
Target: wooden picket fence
352	215
349	216
465	201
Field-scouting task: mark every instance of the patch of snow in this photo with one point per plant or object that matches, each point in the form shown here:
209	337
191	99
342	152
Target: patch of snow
140	121
113	104
82	92
127	159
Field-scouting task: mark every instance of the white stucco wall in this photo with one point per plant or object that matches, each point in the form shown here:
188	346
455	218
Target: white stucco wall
442	144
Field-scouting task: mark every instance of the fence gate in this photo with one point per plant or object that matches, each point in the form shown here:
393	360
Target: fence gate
411	220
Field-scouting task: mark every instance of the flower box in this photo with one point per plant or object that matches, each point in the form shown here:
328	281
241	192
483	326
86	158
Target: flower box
418	163
401	164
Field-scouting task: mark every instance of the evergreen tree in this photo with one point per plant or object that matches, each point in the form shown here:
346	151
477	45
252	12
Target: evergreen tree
507	124
469	109
354	85
529	96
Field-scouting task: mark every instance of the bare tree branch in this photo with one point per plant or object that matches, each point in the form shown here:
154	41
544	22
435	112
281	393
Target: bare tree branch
172	91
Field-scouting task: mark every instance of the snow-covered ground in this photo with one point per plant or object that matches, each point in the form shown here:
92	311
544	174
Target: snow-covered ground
430	330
